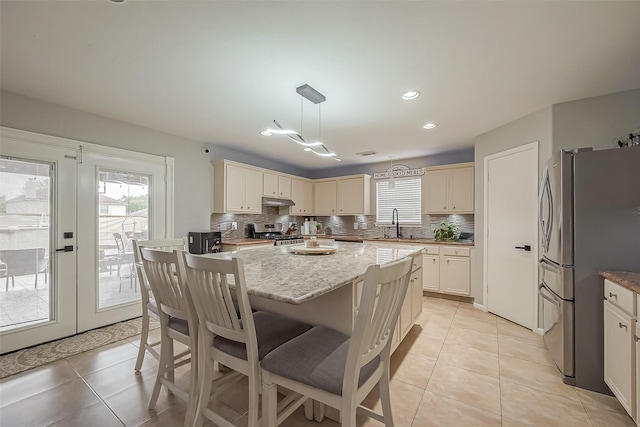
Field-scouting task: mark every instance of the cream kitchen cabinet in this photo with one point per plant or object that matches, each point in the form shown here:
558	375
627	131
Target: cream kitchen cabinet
449	189
237	188
353	195
347	195
637	343
455	270
431	269
620	313
325	201
275	185
302	196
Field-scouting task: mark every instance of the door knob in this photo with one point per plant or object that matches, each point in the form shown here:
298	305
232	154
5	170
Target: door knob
68	248
525	247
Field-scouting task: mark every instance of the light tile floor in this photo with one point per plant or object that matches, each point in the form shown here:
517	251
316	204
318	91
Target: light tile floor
457	367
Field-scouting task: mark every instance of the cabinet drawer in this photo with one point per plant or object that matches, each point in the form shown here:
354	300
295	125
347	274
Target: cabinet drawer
432	250
621	297
456	251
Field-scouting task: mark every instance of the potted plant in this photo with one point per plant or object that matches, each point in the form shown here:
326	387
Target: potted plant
446	232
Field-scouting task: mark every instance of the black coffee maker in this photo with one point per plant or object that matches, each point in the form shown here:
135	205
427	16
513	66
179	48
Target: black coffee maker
205	243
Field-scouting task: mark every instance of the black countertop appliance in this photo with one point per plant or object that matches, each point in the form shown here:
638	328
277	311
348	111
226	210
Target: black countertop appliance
205	243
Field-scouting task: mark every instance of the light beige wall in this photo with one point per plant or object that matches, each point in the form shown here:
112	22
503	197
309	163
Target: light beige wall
193	172
597	121
534	127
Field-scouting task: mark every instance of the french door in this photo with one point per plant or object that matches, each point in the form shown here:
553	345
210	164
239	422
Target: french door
68	214
123	198
37	223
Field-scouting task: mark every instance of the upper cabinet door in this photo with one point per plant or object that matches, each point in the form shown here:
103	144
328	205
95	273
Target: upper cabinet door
234	190
350	196
325	197
253	195
301	194
449	189
270	185
461	190
437	188
284	187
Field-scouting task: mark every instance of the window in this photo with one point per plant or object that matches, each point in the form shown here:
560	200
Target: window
406	196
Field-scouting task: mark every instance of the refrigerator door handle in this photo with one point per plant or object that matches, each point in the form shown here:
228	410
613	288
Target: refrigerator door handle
542	289
547	225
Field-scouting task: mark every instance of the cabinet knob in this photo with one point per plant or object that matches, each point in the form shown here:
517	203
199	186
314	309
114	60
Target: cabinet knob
453	207
637	338
612	295
434	260
622	325
444	207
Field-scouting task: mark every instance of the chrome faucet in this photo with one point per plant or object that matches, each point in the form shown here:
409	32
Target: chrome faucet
395	219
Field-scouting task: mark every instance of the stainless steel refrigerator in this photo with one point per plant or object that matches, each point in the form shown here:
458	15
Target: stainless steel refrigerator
589	221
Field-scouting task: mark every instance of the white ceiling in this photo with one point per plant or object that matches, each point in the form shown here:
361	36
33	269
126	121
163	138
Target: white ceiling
220	72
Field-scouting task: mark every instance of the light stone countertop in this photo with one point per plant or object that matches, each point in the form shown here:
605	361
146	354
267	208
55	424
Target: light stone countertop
273	272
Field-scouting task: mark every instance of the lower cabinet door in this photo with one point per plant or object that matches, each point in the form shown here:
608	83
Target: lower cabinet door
637	340
618	362
454	275
431	273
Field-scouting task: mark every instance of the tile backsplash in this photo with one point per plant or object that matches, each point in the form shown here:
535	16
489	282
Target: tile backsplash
337	225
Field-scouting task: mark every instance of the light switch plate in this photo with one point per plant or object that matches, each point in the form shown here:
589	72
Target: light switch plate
355	225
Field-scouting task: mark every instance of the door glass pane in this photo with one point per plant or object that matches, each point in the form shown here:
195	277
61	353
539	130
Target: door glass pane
123	212
25	206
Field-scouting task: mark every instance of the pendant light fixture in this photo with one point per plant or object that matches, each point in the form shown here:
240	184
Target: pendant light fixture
318	147
392	181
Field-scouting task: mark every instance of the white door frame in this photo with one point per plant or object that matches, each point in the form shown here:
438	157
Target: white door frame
534	244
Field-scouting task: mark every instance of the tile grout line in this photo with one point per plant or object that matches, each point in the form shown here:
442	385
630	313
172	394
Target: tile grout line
95	392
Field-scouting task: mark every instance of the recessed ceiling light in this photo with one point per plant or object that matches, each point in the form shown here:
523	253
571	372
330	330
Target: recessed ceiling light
430	125
412	94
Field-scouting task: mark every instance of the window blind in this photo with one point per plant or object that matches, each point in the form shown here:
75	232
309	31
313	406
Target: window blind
406	196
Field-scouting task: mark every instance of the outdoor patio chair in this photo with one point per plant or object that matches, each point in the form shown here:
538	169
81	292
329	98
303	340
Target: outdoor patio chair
23	262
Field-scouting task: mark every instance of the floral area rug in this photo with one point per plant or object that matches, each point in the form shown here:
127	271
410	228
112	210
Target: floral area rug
39	355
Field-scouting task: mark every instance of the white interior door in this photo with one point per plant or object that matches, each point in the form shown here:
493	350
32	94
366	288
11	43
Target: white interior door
511	188
123	198
37	220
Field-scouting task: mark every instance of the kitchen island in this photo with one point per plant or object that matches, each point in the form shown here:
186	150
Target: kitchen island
323	289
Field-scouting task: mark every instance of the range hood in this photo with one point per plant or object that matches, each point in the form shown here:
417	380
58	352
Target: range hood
271	201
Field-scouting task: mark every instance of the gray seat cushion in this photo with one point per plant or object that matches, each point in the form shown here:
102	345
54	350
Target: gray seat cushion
316	358
272	330
179	325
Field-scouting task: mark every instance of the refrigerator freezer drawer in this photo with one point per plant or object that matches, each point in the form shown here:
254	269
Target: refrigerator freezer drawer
557	323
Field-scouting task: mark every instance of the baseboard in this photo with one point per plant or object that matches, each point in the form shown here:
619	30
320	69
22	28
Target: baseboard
479	306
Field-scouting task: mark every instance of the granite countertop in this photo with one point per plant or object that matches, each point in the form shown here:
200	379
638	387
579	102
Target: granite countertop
626	279
349	238
247	241
273	272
